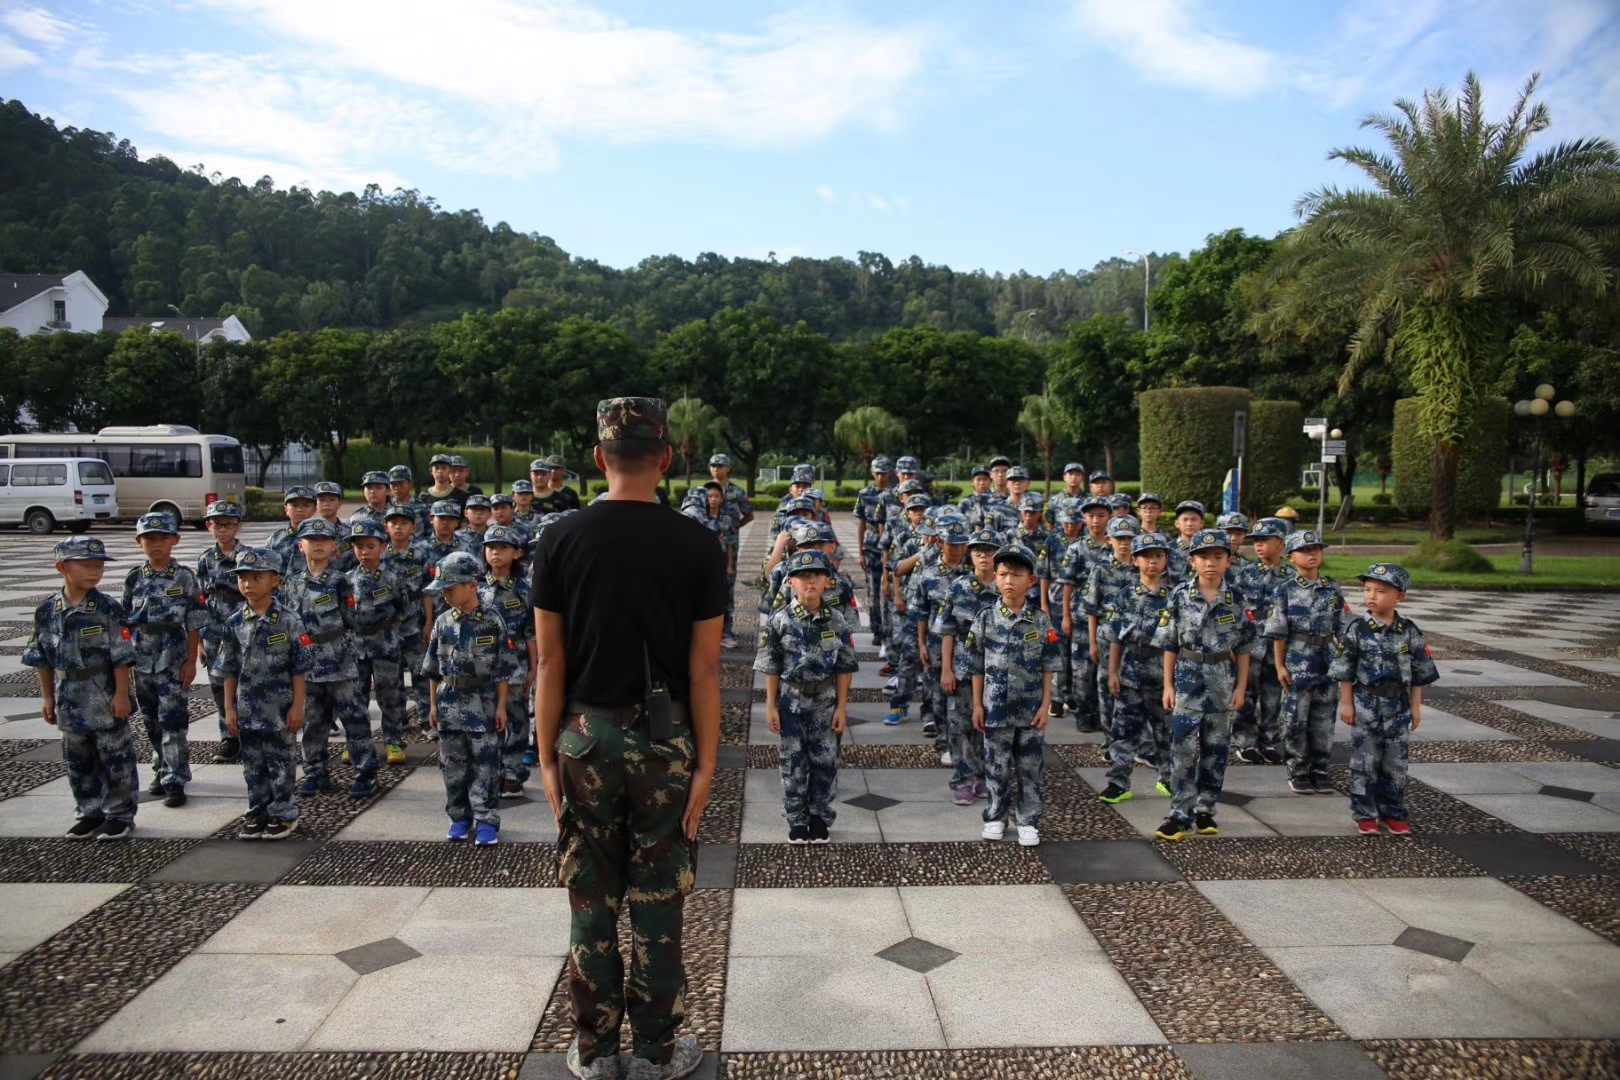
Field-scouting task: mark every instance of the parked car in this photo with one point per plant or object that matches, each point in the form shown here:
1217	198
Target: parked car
41	493
1603	500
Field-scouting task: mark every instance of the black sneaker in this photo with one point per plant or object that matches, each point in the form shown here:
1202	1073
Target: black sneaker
174	795
1301	785
155	787
115	830
252	827
1057	708
1323	786
930	729
86	827
1271	756
1113	793
1249	755
799	834
230	751
1171	830
1205	825
279	830
818	831
511	789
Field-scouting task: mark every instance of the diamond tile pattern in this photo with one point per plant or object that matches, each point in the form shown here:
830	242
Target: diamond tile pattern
377	955
918	955
872	802
1444	946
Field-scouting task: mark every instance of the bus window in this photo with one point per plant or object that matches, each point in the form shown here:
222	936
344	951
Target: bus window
226	459
51	449
165	461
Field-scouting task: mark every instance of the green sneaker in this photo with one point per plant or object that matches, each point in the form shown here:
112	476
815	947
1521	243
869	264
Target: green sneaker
1163	790
1113	793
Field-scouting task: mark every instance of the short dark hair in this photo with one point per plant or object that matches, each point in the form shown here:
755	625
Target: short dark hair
632	455
715	485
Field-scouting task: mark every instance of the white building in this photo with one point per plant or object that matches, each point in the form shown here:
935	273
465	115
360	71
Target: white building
229	328
44	304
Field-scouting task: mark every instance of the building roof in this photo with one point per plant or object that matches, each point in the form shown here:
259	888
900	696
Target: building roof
195	329
16	288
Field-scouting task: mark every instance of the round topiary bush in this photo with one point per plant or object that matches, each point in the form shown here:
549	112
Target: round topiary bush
1186	441
1276	451
1480	463
1450	556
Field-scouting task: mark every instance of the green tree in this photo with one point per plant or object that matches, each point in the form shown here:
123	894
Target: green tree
234	393
322	386
692	426
1092	382
1458	223
64	376
13	377
866	431
405	365
152	378
1042	421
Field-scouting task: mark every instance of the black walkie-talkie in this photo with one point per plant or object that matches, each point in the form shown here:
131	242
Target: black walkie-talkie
656	703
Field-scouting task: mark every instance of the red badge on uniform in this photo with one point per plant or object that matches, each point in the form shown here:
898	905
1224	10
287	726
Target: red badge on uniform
351	600
1052	636
1427	653
305	640
128	634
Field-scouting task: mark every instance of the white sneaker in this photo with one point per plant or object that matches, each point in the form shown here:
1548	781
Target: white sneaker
994	830
1028	836
883	652
945	758
892	685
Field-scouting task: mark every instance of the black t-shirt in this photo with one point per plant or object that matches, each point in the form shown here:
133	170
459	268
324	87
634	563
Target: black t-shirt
622	573
457	496
556	502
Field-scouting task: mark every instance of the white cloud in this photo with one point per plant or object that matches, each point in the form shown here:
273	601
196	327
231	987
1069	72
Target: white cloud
36	24
13	56
825	193
1163	39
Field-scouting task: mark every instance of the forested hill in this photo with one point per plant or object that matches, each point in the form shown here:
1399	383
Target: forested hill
151	233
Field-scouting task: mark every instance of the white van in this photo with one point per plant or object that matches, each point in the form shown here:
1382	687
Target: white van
41	493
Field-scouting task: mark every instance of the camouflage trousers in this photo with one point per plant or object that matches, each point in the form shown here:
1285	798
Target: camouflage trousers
1309	713
1139	726
161	701
1014	755
1199	744
411	653
876	607
620	833
330	703
1259	722
1378	747
519	733
216	687
906	658
809	755
1083	684
471	764
270	767
1063	681
932	696
966	741
384	677
101	771
1106	702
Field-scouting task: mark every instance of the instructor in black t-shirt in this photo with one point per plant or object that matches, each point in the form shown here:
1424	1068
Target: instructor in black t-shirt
629	602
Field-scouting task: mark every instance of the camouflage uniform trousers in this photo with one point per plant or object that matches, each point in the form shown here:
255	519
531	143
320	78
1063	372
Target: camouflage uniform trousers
1083	697
216	687
905	656
412	650
270	767
327	704
519	734
162	704
933	697
384	676
620	832
1200	741
101	771
1378	747
1259	722
809	755
1309	713
1014	755
471	764
876	612
1141	728
966	741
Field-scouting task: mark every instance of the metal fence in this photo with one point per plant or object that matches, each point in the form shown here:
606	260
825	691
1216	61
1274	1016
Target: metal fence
295	464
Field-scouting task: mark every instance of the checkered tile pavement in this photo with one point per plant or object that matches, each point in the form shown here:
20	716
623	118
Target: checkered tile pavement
1485	945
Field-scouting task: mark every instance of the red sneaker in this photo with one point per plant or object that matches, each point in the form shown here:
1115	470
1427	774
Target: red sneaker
1367	827
1398	826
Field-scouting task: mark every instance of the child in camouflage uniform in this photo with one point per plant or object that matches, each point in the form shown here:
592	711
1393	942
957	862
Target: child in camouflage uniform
1136	671
970	595
82	652
215	575
870	517
1012	653
1091	550
1257	733
807	654
263	662
1381	665
163	608
505	591
299	506
931	592
383	608
1308	617
1208	638
407	558
472	665
1109	578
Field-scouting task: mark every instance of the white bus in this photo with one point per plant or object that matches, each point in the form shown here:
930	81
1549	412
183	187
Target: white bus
169	468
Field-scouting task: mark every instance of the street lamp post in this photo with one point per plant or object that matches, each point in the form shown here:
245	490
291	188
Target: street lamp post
195	334
1147	282
1536	408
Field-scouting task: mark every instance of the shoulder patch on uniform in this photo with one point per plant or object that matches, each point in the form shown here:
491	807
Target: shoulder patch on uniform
91	631
276	639
513	602
1164	616
176	591
324	598
1033	635
378	594
1227	618
825	634
486	640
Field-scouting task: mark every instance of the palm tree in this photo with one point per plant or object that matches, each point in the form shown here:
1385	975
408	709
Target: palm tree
866	430
1042	422
1459	221
692	426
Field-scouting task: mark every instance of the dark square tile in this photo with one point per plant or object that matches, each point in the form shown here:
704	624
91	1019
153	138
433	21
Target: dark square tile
872	802
1444	946
918	955
1575	697
51	751
1234	798
23	1066
1278	1061
732	757
386	953
236	860
1605	750
1094	862
1573	794
419	753
1504	854
717	866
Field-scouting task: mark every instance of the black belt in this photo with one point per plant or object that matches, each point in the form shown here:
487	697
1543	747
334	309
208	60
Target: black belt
1205	657
1143	650
1311	639
1386	688
326	635
80	674
625	714
470	682
810	686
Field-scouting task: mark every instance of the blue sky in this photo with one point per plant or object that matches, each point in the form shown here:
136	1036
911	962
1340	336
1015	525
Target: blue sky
1042	135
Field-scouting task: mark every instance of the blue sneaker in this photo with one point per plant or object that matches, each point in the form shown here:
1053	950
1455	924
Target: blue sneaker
531	757
894	717
310	787
459	830
363	787
488	834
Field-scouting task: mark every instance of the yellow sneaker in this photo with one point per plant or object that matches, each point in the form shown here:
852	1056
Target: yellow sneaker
345	755
396	754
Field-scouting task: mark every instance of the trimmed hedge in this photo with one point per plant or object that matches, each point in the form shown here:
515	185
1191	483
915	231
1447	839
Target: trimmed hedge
1480	465
1186	441
365	456
1276	453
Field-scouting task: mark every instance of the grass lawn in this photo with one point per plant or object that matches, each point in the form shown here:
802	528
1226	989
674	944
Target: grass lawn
1552	572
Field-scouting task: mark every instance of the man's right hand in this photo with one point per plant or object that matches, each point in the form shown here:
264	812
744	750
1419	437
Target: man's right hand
47	712
773	720
551	782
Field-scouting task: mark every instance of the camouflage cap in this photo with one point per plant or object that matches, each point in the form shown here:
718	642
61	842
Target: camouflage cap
1018	472
82	549
1069	515
1094	502
522	487
504	534
1099	474
798	505
1119	501
817	494
719	461
501	498
918	501
539	464
1074	466
1122	527
1304	538
1150	497
445	508
457	461
1031	503
954	530
249	559
555	462
1232	521
369	527
400	510
980	470
298	491
223	508
1190	504
1206	539
317	528
809	562
804	474
907	464
1390	574
985	538
456	568
631	418
882	464
1016	553
439	459
1149	541
400	474
327	487
476	502
909	487
1000	462
1269	527
155	523
376	476
815	532
798	529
